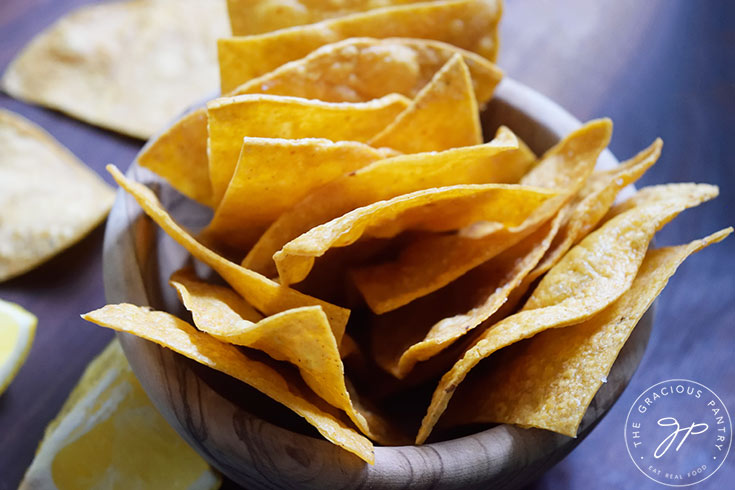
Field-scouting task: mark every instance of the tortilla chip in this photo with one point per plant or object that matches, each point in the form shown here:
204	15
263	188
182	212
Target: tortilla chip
300	336
567	164
272	175
566	167
362	69
386	179
586	211
443	115
425	327
269	116
590	277
353	70
168	331
179	155
427	264
127	66
258	16
468	24
49	200
438	209
649	196
267	296
549	380
592	203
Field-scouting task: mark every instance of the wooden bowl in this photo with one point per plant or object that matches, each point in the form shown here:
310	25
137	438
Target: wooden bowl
258	443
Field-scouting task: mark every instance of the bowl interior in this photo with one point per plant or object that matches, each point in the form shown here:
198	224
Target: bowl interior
261	444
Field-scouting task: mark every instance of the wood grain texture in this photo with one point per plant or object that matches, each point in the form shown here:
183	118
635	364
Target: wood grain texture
658	68
262	454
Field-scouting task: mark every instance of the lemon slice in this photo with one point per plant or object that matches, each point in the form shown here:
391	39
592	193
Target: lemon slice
17	329
108	435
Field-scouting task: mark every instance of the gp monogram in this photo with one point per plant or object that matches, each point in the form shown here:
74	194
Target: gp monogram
678	432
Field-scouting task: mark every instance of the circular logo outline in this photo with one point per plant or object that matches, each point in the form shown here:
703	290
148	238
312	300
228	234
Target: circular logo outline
627	446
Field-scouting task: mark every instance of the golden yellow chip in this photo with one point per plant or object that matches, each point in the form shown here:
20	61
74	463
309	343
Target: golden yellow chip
386	179
438	209
589	278
130	66
168	331
443	115
566	166
647	196
569	163
258	16
362	69
267	296
268	116
550	380
468	24
427	264
426	326
353	70
585	212
179	155
49	200
272	175
300	336
590	206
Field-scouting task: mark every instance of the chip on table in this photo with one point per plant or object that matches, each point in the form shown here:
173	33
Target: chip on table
49	200
129	66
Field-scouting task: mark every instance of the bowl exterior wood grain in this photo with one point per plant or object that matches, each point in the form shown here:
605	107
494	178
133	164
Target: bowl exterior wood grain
226	421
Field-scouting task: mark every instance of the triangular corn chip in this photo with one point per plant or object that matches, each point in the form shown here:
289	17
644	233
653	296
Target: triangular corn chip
167	330
586	211
385	179
566	166
301	336
258	16
362	69
468	24
128	66
443	115
423	328
269	116
593	202
353	70
569	163
428	263
49	200
549	380
272	175
267	296
438	209
589	278
179	155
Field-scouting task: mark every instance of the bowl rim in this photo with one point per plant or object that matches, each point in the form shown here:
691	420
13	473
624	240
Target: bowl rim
456	463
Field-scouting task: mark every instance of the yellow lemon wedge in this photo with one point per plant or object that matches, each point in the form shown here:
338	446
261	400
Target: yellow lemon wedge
109	435
17	329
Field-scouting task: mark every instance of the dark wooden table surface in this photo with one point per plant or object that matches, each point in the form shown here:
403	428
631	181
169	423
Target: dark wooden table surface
656	67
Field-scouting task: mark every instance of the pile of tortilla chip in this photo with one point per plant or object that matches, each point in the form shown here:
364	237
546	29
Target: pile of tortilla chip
370	235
